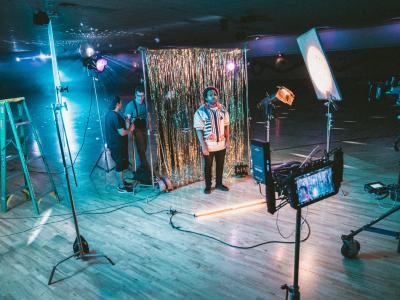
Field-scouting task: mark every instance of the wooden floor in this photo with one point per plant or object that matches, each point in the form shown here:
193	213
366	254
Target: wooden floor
155	261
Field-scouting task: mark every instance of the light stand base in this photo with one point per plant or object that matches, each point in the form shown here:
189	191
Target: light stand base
78	255
294	294
107	168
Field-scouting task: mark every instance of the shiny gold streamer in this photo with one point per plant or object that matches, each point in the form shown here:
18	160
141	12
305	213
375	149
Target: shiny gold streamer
177	78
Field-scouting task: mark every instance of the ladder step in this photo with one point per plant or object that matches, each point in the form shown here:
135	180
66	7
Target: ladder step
15	174
19	189
33	158
49	192
14	156
11	157
22	123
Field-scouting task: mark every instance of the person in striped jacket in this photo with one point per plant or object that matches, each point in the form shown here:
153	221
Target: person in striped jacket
211	122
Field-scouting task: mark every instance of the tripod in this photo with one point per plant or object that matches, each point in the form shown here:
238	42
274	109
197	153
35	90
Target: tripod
82	252
104	151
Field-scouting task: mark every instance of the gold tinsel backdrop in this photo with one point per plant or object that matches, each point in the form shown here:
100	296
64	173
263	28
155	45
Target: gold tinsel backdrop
176	79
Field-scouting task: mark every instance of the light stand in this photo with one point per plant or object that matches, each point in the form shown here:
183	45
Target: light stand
59	90
143	56
248	119
330	104
284	95
268	117
104	151
294	290
134	167
81	253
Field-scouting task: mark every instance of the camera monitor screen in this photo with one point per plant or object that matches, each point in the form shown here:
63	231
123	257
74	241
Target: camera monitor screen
321	74
314	186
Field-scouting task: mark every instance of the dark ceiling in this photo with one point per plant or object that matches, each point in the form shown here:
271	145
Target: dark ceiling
125	25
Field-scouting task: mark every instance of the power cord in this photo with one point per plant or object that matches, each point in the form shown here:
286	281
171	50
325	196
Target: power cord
179	228
291	234
87	212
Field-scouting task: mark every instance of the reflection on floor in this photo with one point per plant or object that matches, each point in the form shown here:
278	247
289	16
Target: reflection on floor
153	260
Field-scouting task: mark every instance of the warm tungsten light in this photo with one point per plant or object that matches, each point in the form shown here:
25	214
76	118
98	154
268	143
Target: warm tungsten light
230	208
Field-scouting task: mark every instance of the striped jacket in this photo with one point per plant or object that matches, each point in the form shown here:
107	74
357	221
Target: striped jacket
212	121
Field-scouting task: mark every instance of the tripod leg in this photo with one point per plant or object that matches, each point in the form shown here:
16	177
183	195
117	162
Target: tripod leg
95	165
59	263
109	259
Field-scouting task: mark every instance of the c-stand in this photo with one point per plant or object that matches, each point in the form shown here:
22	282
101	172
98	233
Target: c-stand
82	252
82	249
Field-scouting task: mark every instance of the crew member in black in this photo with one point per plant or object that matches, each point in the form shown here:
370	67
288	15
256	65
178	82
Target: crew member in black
117	142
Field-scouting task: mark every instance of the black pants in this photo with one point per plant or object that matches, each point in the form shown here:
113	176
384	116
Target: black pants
219	166
120	157
141	147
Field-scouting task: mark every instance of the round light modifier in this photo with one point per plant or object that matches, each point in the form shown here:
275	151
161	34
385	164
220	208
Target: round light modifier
319	70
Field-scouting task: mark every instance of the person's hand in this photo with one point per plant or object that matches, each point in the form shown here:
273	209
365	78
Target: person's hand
132	127
204	150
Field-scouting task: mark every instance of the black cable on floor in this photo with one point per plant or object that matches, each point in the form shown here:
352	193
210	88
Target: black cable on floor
85	211
34	227
174	212
89	212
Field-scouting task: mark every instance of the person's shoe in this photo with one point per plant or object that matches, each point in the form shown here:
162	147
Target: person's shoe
128	183
207	190
124	189
222	187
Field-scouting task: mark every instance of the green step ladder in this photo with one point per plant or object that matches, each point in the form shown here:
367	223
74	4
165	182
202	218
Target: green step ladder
18	141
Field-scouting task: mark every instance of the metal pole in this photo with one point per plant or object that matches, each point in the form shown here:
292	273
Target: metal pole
3	167
101	124
143	55
78	236
247	107
295	291
328	127
59	89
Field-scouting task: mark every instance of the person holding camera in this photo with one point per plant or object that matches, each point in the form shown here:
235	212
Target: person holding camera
136	114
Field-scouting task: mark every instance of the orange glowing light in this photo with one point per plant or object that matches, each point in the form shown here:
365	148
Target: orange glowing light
230	208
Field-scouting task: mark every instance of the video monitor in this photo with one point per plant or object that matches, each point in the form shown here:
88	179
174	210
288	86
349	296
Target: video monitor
313	186
318	67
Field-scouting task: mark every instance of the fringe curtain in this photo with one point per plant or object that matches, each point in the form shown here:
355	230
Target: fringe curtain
177	78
